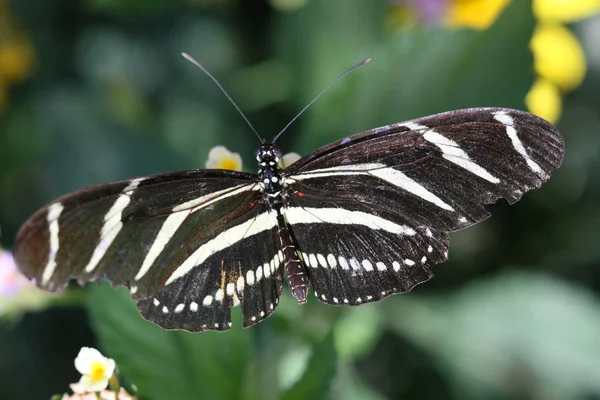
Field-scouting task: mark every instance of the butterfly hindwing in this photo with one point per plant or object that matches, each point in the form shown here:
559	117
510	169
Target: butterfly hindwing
241	263
356	254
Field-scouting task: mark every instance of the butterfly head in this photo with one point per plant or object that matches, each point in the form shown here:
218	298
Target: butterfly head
268	153
268	156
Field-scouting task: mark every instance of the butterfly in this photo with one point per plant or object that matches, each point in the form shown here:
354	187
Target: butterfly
357	220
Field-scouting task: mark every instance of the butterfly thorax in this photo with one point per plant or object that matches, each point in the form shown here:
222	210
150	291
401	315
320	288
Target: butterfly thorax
269	173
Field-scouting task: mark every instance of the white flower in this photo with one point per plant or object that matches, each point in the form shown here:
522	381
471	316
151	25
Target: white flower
80	394
17	294
289	159
11	281
221	158
95	369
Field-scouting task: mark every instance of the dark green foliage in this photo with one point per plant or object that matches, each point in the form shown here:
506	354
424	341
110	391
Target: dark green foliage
319	373
164	364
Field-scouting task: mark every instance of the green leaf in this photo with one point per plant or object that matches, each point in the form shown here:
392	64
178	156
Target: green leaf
357	331
170	364
350	386
128	7
412	73
517	335
320	371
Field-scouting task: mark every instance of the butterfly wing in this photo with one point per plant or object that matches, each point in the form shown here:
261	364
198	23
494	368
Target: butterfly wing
175	238
356	253
239	262
421	179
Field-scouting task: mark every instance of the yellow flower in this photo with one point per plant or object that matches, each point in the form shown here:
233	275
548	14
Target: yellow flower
564	11
478	14
221	158
559	60
558	56
544	100
95	369
16	60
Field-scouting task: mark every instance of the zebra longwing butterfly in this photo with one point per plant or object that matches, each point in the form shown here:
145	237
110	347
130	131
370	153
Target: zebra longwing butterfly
357	220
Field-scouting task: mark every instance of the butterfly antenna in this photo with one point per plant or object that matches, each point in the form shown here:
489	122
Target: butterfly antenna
360	64
197	64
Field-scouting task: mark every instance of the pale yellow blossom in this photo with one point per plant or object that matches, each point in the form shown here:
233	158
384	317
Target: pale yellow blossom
95	369
220	157
288	159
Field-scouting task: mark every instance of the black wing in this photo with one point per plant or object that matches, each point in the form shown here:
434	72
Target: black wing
430	176
356	253
175	239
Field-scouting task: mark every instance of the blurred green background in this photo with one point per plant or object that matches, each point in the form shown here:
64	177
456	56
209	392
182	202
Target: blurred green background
96	90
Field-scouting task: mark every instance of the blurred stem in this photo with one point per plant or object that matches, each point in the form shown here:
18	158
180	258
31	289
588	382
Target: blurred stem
70	297
114	384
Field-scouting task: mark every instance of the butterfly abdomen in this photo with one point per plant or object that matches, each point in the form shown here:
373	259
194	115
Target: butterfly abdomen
296	273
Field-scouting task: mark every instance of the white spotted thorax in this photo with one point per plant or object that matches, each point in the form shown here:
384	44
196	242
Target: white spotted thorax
269	171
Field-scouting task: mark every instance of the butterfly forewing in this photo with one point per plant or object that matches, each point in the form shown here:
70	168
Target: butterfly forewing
70	237
440	170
